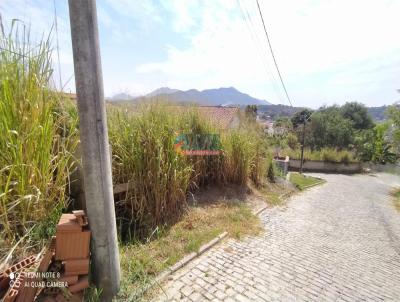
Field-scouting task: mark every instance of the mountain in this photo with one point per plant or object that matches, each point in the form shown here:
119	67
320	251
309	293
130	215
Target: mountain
378	113
209	97
162	90
122	97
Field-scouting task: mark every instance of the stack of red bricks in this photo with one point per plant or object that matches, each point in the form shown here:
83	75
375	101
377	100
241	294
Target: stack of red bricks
73	249
68	256
12	281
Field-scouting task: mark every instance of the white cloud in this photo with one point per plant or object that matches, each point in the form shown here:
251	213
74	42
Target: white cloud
310	38
326	50
39	17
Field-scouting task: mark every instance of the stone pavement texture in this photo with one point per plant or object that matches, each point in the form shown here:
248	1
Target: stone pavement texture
336	242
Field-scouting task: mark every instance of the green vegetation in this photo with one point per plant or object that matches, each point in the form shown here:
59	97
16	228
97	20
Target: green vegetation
325	154
145	158
141	262
303	182
159	178
341	134
393	114
276	194
396	198
373	145
38	139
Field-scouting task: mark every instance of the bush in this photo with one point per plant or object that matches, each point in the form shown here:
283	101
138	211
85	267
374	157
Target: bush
329	155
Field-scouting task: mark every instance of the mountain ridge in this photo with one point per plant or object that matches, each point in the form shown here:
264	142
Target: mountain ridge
213	97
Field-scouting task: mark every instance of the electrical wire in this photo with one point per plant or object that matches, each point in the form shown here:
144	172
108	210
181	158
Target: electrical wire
253	33
272	53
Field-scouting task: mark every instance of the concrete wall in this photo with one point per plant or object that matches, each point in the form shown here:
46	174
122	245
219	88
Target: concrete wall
322	166
388	168
283	164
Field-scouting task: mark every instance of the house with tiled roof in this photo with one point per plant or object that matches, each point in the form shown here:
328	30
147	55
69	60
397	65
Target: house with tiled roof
222	117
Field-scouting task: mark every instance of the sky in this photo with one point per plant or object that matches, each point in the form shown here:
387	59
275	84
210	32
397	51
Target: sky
328	52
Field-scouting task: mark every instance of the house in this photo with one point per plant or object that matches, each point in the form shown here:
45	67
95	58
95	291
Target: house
223	118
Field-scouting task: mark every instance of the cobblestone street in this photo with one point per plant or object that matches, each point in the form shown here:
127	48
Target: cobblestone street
335	242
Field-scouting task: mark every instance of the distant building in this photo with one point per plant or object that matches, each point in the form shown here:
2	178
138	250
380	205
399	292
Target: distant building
221	117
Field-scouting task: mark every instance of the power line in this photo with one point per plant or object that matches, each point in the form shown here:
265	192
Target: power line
273	56
253	33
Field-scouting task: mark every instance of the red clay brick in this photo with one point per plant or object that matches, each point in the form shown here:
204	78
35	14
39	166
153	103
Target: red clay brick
45	262
72	245
82	284
10	296
68	226
76	267
17	288
25	263
80	218
28	294
71	280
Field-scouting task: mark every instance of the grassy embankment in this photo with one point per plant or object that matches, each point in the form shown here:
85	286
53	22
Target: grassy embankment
303	182
325	154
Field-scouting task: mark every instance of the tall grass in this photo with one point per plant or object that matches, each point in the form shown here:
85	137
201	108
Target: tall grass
206	169
37	137
158	177
144	157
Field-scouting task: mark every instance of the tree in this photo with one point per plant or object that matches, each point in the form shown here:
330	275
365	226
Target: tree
373	145
301	117
328	128
393	113
358	114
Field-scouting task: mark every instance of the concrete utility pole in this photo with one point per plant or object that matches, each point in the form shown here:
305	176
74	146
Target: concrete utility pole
302	147
95	148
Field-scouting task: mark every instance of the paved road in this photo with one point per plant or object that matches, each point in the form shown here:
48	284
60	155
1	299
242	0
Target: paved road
336	242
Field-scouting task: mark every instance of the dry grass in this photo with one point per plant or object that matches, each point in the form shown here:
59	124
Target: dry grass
276	194
141	262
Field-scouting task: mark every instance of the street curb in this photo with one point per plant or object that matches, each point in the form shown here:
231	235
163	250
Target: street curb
185	260
181	263
258	212
313	185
